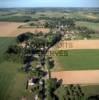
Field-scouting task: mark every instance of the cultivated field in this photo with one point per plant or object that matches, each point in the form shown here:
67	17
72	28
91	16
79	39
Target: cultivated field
10	29
76	45
7	28
79	55
82	55
78	60
33	30
78	77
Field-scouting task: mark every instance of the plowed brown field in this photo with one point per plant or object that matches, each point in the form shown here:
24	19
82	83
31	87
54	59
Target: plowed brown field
77	44
78	77
10	29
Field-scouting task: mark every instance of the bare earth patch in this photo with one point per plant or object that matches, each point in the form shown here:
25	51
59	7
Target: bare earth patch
78	77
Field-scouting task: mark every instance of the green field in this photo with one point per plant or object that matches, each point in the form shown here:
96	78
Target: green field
12	82
90	25
4	43
79	60
90	90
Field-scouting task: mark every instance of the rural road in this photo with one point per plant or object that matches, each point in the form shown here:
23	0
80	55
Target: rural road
78	77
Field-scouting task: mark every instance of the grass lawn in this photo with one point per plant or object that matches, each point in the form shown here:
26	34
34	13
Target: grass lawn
79	60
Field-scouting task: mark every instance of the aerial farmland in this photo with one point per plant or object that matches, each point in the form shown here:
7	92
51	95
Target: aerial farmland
44	51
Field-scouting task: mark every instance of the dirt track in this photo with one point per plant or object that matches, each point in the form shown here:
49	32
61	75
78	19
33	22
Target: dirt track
10	29
78	77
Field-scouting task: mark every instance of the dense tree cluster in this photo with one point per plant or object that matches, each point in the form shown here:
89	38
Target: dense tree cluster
13	49
85	32
24	37
14	53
